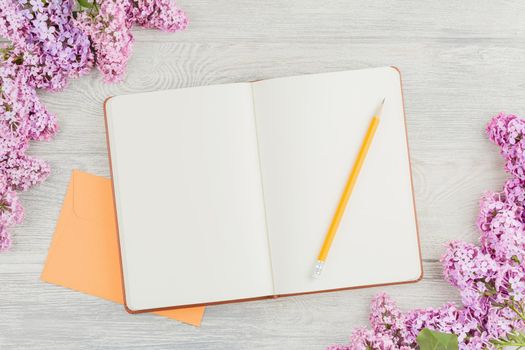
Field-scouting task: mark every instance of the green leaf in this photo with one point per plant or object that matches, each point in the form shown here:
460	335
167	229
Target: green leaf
514	339
432	340
86	3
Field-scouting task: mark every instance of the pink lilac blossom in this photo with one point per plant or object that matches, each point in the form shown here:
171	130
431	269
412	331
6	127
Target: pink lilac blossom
490	277
159	14
22	171
22	116
507	131
53	41
110	34
110	30
11	213
45	41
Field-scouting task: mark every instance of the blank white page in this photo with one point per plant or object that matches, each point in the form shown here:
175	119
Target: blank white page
310	129
188	196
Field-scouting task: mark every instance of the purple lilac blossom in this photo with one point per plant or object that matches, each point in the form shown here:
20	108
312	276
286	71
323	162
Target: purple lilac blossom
53	41
110	30
45	41
110	34
490	276
159	14
11	213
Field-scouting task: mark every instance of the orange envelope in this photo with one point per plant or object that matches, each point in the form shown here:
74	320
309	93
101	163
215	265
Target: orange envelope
84	253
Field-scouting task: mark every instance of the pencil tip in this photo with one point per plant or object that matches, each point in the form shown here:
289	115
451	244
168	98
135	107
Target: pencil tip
379	110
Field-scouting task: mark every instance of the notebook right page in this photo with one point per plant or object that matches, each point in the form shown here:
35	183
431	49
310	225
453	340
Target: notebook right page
310	129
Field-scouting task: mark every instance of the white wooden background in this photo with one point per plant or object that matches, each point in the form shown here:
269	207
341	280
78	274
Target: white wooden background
462	62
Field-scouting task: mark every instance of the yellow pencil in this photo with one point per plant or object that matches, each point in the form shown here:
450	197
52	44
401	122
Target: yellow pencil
332	230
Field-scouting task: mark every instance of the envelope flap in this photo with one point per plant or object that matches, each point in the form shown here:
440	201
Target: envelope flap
92	197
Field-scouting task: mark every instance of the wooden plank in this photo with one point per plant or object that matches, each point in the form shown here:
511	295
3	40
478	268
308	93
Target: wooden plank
340	21
461	64
42	316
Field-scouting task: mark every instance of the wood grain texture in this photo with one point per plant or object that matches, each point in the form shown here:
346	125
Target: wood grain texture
461	64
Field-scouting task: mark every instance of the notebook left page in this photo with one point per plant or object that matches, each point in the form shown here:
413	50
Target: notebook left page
188	196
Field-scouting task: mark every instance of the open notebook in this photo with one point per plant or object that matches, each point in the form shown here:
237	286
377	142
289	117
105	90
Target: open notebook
225	192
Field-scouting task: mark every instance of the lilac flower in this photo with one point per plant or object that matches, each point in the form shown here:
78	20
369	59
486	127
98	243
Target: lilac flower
491	204
22	115
51	43
45	39
11	213
498	129
110	33
514	192
464	264
13	21
22	171
159	14
385	318
5	239
364	339
490	277
507	131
